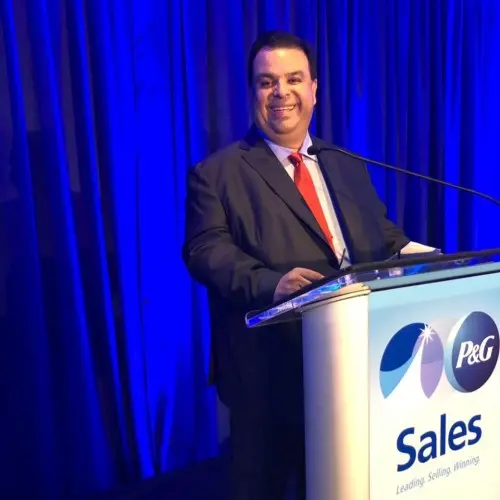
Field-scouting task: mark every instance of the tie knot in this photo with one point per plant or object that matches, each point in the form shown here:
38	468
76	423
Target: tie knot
296	159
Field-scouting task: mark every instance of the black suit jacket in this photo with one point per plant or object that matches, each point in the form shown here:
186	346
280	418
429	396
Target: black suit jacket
246	226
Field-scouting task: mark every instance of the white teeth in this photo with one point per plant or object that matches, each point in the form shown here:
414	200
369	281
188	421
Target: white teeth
288	108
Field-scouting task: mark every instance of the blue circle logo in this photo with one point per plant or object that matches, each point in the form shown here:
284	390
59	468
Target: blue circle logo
472	352
468	360
402	350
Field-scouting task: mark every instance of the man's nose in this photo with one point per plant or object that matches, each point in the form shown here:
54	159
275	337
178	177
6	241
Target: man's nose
281	89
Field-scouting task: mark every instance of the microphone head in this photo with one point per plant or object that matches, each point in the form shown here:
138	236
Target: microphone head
313	150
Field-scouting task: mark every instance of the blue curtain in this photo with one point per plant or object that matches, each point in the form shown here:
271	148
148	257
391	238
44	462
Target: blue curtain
104	105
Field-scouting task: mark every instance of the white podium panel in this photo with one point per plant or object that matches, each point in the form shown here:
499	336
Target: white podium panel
336	403
435	391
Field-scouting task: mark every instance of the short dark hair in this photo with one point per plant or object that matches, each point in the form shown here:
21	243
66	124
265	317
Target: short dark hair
280	40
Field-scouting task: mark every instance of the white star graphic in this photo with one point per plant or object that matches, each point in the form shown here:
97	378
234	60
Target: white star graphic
426	334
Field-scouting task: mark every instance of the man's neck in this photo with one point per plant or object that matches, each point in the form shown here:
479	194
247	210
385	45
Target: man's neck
286	142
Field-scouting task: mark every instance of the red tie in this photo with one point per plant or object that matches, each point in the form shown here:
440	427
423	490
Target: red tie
305	185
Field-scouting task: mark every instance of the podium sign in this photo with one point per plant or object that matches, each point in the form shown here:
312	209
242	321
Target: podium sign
401	379
435	391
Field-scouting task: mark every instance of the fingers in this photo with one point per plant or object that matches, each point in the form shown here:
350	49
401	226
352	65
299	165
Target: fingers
298	284
295	280
301	281
309	274
290	286
301	277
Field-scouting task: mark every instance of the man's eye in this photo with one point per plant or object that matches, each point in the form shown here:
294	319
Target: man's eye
265	84
295	80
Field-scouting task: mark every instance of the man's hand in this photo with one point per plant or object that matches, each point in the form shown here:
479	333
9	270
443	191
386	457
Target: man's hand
295	280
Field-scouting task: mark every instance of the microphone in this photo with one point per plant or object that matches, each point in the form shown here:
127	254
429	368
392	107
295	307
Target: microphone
314	150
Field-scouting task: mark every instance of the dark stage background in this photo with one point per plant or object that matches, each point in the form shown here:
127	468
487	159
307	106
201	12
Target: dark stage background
104	105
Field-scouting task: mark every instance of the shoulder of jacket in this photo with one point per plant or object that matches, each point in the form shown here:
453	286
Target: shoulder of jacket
219	158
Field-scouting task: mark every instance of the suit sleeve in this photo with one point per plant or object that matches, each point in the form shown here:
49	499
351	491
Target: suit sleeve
212	257
394	236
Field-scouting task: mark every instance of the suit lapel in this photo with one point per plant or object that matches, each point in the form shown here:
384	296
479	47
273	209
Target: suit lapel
345	206
260	157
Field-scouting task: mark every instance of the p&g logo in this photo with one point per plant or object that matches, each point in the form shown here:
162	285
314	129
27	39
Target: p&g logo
468	355
472	352
475	353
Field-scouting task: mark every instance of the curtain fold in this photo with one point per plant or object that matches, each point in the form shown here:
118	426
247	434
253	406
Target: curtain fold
104	106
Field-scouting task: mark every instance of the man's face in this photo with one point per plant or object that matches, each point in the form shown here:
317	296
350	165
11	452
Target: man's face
284	95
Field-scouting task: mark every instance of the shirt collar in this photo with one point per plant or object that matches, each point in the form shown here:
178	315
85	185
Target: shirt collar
283	153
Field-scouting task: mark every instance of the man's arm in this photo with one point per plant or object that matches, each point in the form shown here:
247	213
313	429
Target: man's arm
397	241
211	255
394	236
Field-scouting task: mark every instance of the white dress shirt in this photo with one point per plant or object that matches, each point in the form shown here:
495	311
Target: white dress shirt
312	164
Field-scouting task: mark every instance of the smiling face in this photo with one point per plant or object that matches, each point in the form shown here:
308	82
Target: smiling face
284	95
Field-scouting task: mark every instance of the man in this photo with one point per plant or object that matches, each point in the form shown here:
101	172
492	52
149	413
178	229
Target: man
263	219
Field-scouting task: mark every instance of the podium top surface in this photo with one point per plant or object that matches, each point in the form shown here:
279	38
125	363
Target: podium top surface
393	273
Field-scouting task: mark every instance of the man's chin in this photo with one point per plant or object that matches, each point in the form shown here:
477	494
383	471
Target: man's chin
280	131
284	128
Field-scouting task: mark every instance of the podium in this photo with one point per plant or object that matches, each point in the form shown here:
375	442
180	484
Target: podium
401	380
